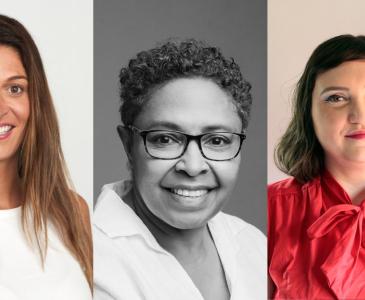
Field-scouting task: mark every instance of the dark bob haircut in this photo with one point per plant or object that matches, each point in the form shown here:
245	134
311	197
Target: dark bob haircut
299	153
180	59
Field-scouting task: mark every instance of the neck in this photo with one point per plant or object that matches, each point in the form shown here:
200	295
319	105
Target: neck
10	186
182	243
351	176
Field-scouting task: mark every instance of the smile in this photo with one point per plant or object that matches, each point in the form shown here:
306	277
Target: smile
189	193
189	198
5	131
357	136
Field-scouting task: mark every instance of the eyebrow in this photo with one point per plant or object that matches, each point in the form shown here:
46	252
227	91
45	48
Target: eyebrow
337	88
173	126
17	77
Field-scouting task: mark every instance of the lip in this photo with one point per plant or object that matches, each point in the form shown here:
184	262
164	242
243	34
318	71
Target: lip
6	134
357	135
189	187
189	202
190	197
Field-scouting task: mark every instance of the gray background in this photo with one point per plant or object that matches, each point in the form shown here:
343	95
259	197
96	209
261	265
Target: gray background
123	28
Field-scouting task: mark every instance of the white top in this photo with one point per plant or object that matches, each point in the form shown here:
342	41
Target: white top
130	264
21	273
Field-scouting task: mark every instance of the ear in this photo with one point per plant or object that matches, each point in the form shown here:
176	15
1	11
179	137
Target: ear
126	137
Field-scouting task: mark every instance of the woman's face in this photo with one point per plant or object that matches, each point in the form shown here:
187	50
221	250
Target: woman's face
14	102
193	106
338	112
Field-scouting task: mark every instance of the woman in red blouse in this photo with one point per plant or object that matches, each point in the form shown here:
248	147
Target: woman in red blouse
317	217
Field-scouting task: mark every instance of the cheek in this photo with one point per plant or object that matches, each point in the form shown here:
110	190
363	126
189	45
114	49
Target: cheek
147	172
22	110
227	172
328	122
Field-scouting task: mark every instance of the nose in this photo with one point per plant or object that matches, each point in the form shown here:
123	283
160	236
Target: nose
192	162
357	113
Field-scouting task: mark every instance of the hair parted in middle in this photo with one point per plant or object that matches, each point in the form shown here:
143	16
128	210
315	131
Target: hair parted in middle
189	58
41	165
299	152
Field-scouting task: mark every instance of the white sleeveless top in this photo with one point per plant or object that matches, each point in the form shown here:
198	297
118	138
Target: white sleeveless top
21	274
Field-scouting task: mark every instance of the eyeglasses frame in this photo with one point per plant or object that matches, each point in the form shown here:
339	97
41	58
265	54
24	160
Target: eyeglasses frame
197	138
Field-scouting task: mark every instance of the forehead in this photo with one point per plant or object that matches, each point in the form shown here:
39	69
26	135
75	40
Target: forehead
10	63
191	105
345	75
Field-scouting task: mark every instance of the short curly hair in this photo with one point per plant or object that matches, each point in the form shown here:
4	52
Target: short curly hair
180	59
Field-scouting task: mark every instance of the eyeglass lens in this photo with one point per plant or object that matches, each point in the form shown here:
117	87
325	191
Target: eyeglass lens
169	145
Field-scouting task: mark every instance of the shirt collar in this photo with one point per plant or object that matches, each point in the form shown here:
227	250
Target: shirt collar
116	219
333	191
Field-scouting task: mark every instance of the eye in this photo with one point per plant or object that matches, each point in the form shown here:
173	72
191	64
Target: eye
15	90
218	140
163	138
335	98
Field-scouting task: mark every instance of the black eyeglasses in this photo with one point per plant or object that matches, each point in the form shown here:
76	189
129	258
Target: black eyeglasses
168	144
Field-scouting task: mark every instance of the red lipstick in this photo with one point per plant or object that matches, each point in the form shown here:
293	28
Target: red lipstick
357	135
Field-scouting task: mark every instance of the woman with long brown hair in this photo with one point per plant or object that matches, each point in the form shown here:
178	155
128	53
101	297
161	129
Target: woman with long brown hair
45	238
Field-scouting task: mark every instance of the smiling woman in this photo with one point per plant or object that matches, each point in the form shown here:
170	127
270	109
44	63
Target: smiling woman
162	235
170	182
338	112
14	104
316	219
45	238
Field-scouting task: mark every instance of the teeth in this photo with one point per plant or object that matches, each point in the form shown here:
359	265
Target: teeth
189	193
5	129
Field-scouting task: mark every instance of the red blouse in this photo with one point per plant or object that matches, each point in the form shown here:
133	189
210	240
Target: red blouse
316	240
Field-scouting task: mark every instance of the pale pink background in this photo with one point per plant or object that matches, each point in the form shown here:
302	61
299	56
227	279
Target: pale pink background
295	28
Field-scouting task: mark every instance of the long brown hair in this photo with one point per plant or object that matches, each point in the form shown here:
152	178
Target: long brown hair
299	152
41	164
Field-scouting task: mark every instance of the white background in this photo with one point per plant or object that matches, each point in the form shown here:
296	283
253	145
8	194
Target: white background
63	32
295	29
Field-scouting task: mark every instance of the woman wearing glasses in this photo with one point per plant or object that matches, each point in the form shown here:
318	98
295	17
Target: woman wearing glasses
161	235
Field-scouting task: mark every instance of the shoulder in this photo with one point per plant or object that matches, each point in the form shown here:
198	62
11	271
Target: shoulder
84	212
83	205
111	215
284	194
236	224
290	203
284	187
290	192
242	230
84	209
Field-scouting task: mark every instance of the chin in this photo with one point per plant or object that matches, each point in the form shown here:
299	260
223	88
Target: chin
188	226
188	221
7	155
357	156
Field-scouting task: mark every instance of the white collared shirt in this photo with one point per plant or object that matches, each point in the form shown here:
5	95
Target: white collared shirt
130	264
